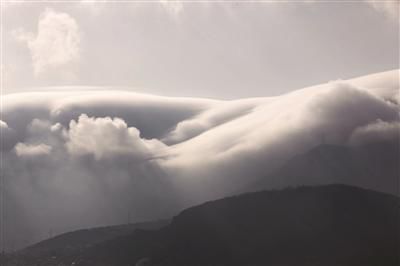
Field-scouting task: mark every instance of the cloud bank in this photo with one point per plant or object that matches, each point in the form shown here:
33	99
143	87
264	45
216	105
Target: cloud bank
80	158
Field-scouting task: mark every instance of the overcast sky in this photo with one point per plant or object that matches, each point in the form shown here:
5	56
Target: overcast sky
218	50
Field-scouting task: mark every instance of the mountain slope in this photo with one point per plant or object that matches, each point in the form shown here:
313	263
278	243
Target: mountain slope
326	225
72	243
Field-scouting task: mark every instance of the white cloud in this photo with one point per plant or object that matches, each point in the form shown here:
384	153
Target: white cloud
56	43
388	7
107	137
3	125
212	117
7	136
218	130
376	131
32	150
279	127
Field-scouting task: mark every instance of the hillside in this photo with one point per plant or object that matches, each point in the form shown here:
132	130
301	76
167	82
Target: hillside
71	243
323	225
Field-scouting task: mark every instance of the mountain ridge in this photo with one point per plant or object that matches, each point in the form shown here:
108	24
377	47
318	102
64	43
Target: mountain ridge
318	225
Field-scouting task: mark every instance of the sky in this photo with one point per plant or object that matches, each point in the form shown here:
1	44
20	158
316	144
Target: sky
205	49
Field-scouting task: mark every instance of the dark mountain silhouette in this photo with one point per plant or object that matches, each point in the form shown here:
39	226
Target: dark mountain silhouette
374	166
322	225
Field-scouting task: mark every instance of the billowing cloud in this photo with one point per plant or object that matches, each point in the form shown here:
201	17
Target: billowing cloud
23	149
106	137
297	120
104	154
210	118
56	43
376	131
